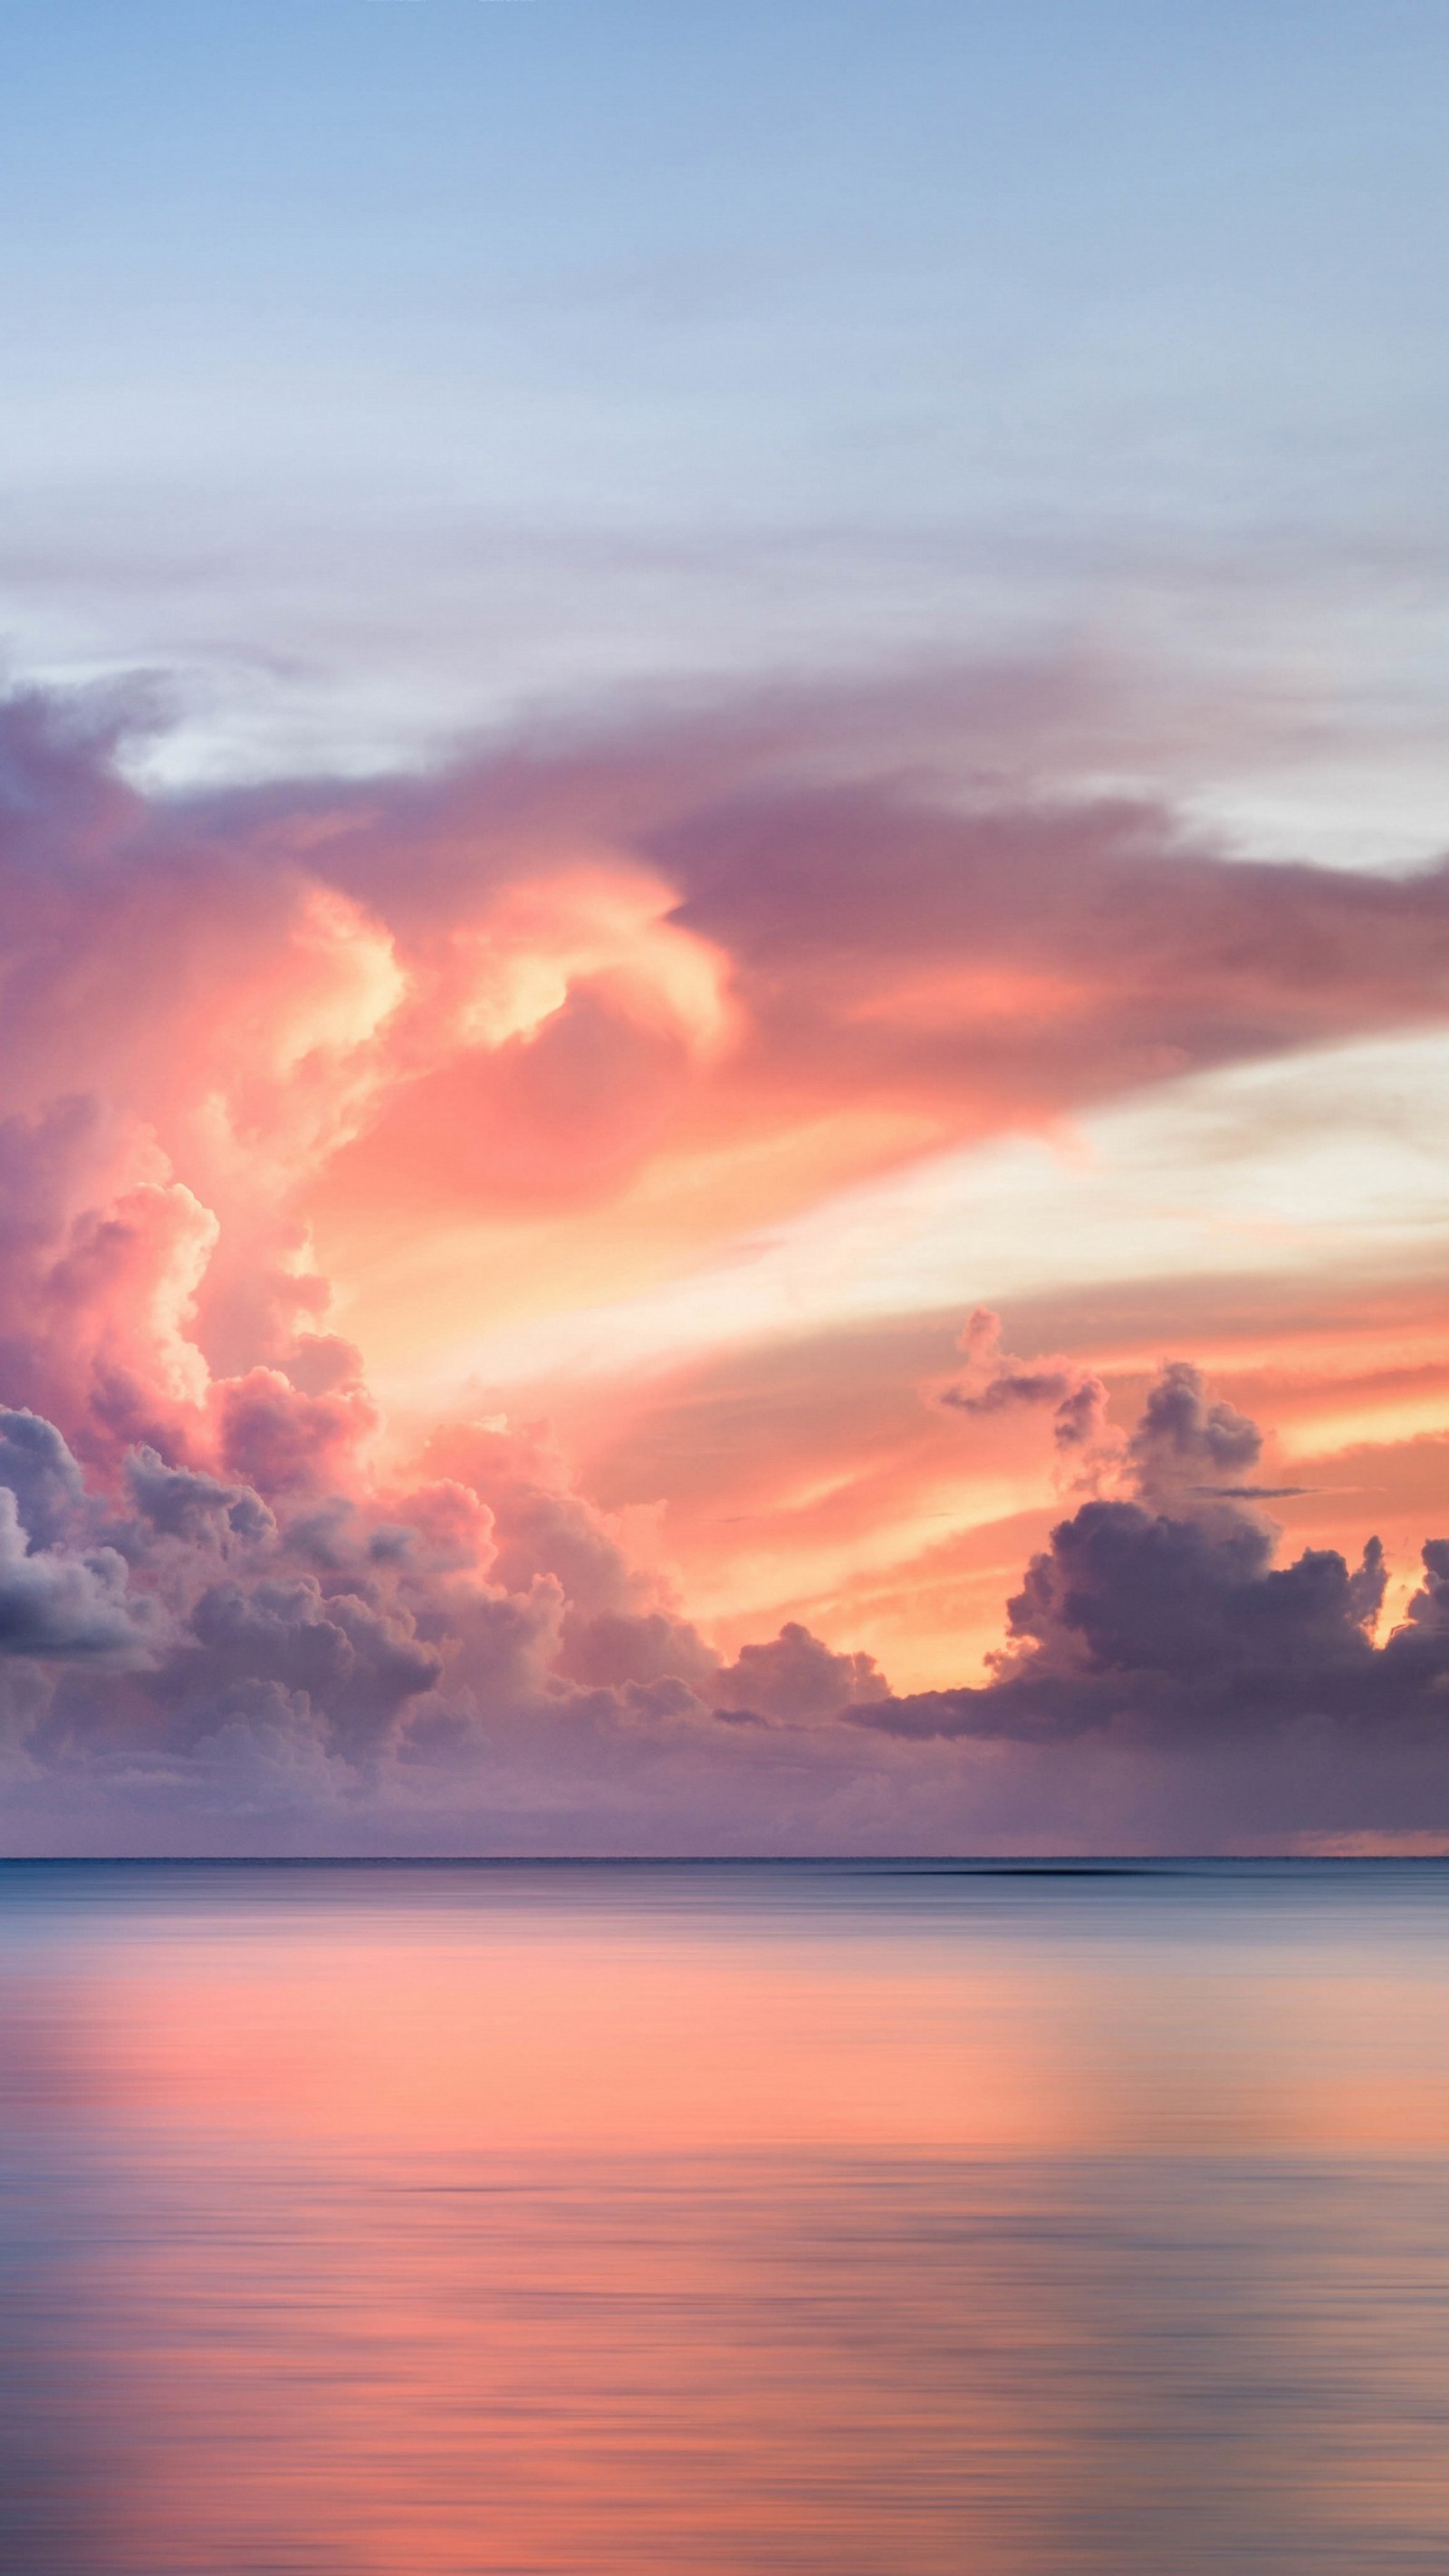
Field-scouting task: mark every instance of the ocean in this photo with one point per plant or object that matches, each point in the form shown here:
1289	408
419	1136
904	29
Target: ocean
818	2219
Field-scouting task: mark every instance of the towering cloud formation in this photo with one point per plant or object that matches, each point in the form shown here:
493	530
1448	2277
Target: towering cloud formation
657	990
1163	1612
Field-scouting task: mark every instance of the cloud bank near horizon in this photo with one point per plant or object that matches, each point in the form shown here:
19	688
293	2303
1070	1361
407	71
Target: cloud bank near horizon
473	1666
570	999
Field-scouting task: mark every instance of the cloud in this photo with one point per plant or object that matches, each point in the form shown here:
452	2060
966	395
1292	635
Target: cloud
358	1677
54	1603
796	1679
996	1383
338	1655
43	1477
1184	1435
578	973
183	1505
402	1052
1162	1618
1254	1493
285	1441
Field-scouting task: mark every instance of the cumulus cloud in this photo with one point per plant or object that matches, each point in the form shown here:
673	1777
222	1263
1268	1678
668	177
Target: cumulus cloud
286	1441
796	1679
527	984
1163	1619
238	1607
184	1505
351	1659
995	1383
361	1679
42	1476
54	1603
1185	1436
423	1660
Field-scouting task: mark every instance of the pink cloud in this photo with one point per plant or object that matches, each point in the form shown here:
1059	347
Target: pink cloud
672	986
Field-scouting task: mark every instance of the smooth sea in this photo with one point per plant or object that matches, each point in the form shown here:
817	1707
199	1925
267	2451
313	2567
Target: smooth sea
864	2219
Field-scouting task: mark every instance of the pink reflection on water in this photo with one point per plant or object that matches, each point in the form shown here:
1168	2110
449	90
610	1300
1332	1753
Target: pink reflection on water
572	2226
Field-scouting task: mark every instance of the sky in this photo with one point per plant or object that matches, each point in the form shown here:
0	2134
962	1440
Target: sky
724	935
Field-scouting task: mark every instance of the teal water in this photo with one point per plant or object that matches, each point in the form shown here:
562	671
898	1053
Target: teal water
917	2221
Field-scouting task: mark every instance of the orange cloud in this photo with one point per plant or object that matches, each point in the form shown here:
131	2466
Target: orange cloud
314	1082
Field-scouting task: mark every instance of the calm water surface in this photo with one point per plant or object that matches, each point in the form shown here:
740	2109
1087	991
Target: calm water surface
879	2221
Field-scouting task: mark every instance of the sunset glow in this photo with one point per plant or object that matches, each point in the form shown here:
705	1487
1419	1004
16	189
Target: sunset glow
724	1370
630	792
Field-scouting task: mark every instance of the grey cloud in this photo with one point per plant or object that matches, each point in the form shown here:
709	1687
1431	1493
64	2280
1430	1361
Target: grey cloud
183	1504
1185	1435
1174	1623
614	1647
996	1383
338	1653
56	1603
1252	1493
796	1679
45	1479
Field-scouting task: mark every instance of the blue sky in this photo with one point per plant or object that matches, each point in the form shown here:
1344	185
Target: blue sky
373	369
